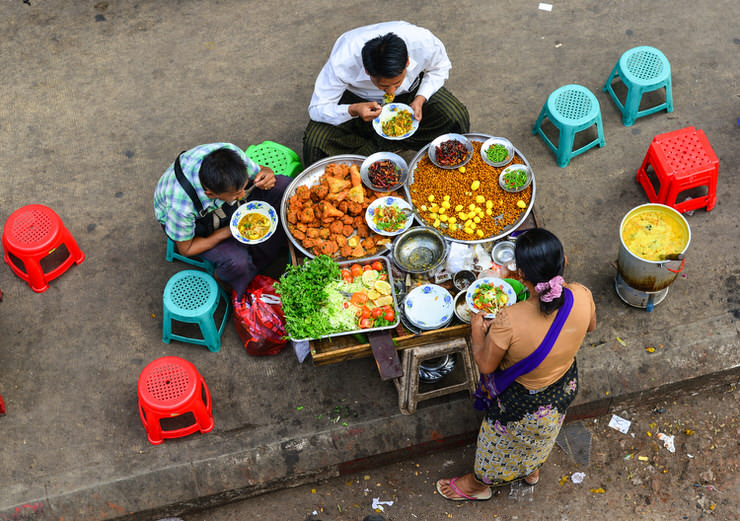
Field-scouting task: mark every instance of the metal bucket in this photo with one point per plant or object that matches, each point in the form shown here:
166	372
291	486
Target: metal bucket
650	275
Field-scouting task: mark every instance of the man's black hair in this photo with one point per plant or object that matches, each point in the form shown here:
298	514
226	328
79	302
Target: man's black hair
385	56
222	170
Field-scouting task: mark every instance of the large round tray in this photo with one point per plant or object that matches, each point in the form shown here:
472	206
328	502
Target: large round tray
473	136
309	177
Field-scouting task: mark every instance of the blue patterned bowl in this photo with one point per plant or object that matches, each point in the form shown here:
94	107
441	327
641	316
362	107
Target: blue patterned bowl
259	207
429	307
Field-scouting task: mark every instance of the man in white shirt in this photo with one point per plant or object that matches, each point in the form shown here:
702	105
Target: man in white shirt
391	60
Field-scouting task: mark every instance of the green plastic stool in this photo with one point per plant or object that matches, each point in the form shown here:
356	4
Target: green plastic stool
642	69
193	261
192	296
280	158
571	109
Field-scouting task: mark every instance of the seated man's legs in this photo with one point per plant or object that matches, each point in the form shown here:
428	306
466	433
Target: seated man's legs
442	113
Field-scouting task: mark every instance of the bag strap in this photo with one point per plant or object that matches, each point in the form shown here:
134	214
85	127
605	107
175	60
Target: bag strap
188	187
504	378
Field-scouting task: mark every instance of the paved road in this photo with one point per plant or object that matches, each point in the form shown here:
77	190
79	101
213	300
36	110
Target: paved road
701	480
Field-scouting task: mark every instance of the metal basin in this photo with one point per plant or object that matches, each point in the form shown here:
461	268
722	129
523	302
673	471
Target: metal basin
419	250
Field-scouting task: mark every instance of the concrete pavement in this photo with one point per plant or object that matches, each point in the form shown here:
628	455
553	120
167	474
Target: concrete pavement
98	99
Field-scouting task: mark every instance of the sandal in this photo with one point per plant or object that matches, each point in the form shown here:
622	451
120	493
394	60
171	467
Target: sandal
532	482
478	496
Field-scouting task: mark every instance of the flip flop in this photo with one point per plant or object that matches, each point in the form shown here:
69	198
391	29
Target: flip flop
479	496
533	482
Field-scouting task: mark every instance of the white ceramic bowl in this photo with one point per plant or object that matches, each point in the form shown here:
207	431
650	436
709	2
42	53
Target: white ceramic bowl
401	166
390	110
493	281
429	306
260	207
497	141
514	168
432	150
378	205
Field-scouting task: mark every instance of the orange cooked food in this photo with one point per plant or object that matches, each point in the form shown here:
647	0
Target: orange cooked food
328	218
467	205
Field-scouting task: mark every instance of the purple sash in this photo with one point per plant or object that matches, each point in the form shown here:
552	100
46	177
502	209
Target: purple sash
493	384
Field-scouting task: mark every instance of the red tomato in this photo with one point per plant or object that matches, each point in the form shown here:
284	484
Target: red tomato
356	270
387	308
365	312
367	267
365	323
377	265
383	276
390	315
348	280
346	305
377	312
346	273
359	298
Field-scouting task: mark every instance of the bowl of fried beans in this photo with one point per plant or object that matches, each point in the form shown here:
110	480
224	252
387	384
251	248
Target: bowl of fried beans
384	172
467	204
450	151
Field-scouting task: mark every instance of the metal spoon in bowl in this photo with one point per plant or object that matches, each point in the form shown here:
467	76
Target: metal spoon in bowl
415	212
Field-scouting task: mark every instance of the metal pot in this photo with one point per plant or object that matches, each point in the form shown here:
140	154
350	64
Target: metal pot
648	275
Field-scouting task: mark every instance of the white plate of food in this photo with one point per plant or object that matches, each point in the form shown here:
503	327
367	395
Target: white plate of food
396	121
254	222
389	216
488	295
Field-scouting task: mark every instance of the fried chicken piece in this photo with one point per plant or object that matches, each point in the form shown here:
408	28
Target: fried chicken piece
299	235
292	216
324	233
307	215
348	219
336	170
354	208
343	206
340	239
358	221
363	231
345	251
368	244
308	243
358	251
319	192
329	210
302	192
328	248
338	197
336	227
302	227
347	230
312	233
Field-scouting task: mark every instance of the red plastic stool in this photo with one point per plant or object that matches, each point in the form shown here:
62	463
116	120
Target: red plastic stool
172	389
682	160
31	234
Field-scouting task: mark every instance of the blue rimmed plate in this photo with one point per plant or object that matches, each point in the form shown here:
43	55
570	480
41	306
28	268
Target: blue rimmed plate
389	111
429	306
490	285
381	205
254	207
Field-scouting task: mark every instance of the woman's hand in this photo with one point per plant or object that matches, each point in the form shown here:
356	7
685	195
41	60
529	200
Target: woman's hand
265	179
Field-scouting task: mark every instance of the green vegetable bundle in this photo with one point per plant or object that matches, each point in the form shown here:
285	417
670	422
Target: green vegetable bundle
302	290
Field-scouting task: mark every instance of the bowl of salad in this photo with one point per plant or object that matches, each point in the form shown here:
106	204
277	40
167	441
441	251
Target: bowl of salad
497	151
389	216
396	121
515	178
384	172
488	295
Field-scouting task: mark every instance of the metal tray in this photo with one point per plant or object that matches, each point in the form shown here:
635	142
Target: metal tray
473	136
396	307
309	177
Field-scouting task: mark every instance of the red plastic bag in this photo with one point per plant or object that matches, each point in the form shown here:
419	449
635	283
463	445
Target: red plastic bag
259	318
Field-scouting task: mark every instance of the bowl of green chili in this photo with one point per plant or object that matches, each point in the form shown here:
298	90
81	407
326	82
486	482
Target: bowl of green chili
515	178
497	151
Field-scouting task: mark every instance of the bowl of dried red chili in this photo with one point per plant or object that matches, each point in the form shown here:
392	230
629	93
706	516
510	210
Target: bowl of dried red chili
384	172
515	178
450	151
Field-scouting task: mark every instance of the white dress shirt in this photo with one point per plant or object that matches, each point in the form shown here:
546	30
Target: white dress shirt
344	69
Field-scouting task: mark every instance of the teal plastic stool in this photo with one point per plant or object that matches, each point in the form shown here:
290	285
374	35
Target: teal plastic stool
193	261
571	109
192	296
280	158
642	69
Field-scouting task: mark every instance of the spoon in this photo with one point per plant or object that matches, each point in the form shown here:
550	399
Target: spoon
415	212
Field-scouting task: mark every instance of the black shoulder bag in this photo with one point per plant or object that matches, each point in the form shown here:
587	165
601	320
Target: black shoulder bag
206	222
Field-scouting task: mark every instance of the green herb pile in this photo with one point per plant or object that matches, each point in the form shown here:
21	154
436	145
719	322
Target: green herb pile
497	153
302	290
